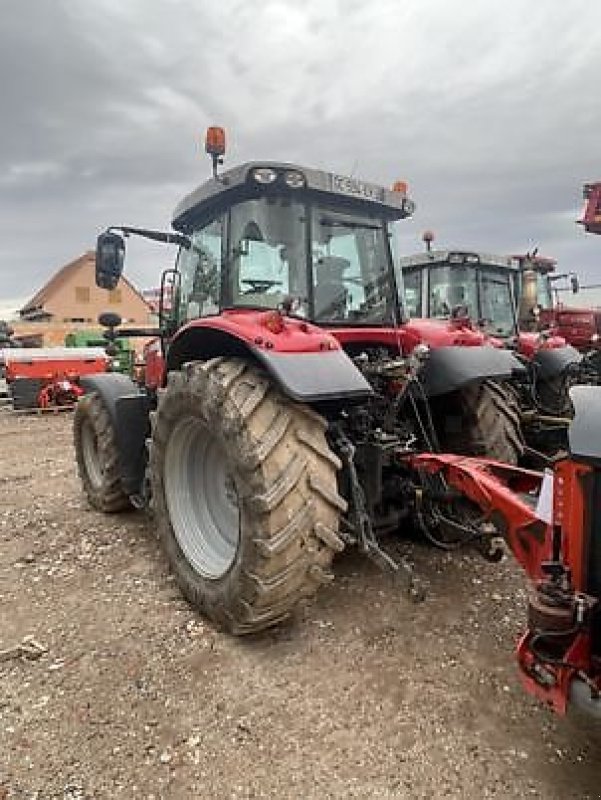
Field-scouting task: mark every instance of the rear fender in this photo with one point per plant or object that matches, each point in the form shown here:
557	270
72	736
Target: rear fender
129	412
584	433
552	362
451	368
309	369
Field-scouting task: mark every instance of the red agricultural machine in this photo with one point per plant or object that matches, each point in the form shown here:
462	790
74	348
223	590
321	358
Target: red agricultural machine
477	291
49	377
291	409
540	308
591	217
550	522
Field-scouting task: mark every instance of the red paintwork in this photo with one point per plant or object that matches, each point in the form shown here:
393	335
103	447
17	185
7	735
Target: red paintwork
59	370
435	333
499	490
267	329
530	343
591	217
61	392
578	326
154	364
49	369
570	515
281	334
556	696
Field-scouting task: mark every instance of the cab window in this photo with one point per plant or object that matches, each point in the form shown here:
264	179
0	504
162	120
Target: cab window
412	280
200	269
267	255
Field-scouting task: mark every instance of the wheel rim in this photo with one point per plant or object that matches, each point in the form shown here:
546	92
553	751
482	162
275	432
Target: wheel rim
91	458
202	499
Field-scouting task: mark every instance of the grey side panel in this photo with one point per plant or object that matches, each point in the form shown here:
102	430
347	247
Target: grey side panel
551	363
451	368
315	377
128	409
584	433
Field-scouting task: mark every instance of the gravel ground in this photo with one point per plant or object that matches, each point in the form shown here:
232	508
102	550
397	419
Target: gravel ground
362	696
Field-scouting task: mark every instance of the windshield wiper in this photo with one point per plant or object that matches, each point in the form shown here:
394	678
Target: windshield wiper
336	223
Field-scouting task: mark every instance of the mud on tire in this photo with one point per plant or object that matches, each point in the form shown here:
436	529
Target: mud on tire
222	430
483	419
97	455
553	396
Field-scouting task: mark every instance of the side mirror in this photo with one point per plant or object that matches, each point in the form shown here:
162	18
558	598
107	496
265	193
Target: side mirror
110	256
574	283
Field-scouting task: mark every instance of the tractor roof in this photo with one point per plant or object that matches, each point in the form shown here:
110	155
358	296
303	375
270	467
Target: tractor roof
457	258
238	184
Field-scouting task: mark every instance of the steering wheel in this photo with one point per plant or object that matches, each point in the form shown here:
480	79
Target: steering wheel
259	285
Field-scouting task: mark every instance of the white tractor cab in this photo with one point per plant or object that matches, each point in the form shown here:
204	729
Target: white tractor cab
447	284
486	292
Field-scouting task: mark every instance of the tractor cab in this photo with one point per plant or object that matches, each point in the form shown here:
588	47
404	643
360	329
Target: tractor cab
469	288
272	236
275	236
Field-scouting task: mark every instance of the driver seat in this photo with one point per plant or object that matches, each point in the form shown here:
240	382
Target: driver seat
330	294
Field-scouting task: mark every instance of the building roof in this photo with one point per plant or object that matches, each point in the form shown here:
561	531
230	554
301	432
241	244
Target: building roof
61	277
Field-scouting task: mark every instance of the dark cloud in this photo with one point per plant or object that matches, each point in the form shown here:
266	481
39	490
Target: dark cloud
488	110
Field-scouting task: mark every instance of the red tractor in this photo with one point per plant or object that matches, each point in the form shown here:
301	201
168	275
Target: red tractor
285	383
477	291
291	410
541	310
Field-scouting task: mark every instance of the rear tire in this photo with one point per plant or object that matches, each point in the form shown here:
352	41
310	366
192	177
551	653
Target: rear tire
244	493
97	455
553	396
483	419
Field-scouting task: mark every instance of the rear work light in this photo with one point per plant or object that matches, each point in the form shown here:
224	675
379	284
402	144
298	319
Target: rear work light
294	179
264	175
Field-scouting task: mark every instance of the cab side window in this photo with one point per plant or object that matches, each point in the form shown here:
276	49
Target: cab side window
200	269
412	280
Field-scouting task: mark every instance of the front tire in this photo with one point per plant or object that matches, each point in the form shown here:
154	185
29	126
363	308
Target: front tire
97	455
245	494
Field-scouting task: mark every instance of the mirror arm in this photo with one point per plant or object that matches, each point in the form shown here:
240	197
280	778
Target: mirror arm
157	236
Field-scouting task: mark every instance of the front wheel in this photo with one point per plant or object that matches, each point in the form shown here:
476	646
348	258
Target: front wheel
97	455
244	492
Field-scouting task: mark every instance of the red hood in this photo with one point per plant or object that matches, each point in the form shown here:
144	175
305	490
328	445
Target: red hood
445	333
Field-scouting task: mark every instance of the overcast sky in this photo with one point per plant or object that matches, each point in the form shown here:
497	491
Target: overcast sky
490	110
